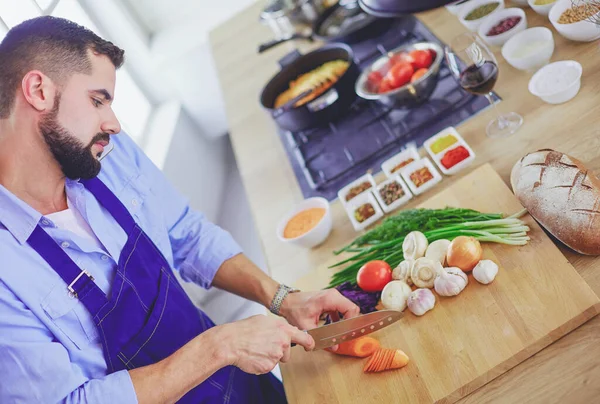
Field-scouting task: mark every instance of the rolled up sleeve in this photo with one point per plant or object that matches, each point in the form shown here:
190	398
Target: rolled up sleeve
34	368
199	247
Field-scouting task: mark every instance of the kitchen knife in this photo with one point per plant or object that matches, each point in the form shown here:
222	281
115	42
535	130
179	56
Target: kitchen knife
346	330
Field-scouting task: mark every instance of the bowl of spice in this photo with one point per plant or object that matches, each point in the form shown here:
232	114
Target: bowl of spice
363	211
577	21
449	151
474	13
530	49
502	26
308	224
557	82
355	188
542	7
420	176
392	193
392	166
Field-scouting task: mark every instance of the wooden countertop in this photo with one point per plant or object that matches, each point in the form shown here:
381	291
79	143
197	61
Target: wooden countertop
569	369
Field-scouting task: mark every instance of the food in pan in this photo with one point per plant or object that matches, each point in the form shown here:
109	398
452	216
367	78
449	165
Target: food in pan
317	81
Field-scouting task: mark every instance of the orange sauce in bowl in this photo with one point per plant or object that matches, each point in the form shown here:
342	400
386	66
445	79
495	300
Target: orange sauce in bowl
303	222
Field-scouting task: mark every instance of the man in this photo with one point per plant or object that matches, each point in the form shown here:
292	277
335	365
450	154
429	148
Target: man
90	310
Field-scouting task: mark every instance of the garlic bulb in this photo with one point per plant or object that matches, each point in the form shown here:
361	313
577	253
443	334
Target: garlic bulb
485	271
414	245
402	271
395	295
437	251
421	301
424	272
450	282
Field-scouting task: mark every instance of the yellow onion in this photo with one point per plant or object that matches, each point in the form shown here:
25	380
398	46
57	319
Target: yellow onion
464	253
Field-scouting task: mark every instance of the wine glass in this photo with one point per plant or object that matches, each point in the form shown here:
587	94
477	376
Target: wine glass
475	68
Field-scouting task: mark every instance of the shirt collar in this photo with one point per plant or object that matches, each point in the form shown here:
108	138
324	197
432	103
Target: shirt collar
18	217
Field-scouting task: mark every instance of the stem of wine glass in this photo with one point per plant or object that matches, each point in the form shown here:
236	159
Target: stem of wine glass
501	120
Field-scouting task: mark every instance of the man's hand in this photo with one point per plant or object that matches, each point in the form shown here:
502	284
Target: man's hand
257	344
303	309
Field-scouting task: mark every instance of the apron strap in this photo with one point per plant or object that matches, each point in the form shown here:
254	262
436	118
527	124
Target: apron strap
80	284
111	203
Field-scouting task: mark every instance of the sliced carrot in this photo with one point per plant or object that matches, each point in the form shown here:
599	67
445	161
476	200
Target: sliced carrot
377	359
400	360
360	347
389	356
386	359
371	362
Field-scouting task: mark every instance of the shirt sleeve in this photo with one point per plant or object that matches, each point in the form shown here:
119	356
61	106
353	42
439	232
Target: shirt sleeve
199	247
34	368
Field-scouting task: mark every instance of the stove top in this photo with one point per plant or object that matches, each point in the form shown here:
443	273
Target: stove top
325	159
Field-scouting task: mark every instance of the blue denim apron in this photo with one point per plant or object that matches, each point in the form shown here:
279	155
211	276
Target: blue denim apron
148	316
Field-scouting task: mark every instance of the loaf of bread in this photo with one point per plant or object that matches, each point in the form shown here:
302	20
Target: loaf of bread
562	195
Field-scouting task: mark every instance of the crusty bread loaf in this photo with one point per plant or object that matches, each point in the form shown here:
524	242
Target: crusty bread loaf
562	195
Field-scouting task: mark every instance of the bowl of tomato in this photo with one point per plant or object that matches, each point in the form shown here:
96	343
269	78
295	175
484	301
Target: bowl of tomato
403	77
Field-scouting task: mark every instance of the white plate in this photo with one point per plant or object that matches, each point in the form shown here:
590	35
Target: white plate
344	191
409	169
356	202
437	157
388	165
398	202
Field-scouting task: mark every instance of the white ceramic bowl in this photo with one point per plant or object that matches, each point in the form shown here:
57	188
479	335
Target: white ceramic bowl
317	234
473	25
557	82
540	42
582	31
543	9
495	19
456	6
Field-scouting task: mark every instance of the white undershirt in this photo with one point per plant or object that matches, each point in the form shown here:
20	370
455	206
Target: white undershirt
70	219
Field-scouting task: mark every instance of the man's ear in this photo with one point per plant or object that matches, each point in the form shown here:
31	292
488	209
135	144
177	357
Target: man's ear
39	90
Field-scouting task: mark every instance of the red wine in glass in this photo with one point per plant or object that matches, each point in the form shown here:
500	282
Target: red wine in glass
479	79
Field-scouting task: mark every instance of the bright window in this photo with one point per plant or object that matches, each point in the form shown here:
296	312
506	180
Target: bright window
131	105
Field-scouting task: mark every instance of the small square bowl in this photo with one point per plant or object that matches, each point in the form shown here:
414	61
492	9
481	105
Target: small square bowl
356	202
344	191
398	202
417	165
437	157
388	165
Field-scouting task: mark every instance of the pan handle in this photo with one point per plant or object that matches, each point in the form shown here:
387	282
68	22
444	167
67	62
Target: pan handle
268	45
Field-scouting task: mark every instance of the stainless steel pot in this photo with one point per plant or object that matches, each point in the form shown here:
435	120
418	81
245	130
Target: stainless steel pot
410	94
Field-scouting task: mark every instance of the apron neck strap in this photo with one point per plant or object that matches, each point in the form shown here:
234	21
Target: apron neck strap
111	203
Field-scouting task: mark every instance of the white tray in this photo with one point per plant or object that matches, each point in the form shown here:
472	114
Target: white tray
437	157
409	169
398	202
344	191
354	203
388	165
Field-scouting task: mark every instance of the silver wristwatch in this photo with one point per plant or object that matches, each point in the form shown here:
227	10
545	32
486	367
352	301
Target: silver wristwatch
282	292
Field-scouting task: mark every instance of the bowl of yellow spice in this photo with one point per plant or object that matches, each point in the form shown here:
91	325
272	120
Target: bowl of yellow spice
576	20
542	7
308	224
474	13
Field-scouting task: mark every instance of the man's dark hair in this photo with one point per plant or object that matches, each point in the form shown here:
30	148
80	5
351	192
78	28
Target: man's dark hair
54	46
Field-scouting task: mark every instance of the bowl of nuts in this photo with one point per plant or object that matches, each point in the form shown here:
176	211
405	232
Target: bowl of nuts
576	20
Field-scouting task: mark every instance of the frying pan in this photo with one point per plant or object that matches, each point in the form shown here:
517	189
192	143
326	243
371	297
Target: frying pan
339	23
325	108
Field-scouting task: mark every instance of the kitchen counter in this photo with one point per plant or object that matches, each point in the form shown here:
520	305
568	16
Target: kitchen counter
569	369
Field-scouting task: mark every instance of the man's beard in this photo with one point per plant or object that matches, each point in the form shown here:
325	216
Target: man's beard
76	160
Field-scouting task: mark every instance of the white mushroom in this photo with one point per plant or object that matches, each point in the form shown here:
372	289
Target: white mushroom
437	251
414	245
402	271
395	295
424	272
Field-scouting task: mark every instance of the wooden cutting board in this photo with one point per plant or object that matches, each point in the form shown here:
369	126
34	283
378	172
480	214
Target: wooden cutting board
467	340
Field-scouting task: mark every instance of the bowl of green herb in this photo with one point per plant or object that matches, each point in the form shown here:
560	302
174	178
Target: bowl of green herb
477	11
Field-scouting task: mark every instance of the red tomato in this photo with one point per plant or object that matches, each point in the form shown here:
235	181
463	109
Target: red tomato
400	74
374	81
385	86
418	74
422	59
401	57
373	276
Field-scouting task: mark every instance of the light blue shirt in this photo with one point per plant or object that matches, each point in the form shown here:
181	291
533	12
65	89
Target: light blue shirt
49	346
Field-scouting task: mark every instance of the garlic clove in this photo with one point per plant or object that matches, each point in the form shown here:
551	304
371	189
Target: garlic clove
421	301
414	245
450	282
485	271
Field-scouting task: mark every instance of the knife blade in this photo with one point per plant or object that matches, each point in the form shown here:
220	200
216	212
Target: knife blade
347	330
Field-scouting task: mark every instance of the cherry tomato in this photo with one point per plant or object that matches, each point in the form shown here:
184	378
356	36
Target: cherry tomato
385	86
374	275
400	74
421	59
374	81
401	57
418	74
